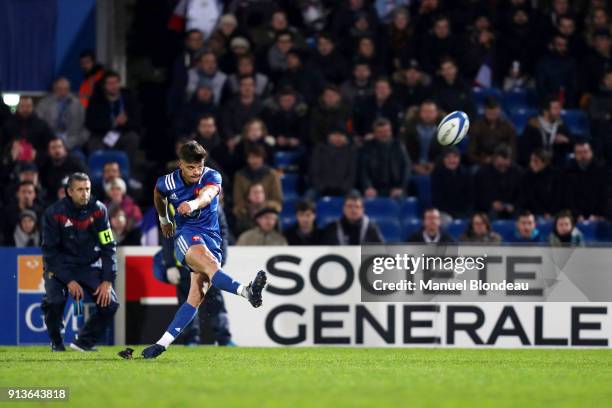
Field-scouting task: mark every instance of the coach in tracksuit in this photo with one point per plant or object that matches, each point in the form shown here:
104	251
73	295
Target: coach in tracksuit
79	255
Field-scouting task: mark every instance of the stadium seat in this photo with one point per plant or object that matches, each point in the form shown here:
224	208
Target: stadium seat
289	183
545	227
456	228
287	221
423	190
505	228
390	229
289	206
589	230
329	207
382	207
576	121
287	160
409	208
514	100
520	117
99	158
409	227
481	94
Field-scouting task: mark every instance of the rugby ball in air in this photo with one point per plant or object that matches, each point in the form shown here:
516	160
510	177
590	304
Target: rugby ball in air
453	128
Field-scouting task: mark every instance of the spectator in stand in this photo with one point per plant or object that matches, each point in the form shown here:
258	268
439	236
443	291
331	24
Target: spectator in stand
255	200
256	171
431	233
600	104
438	45
26	200
385	165
489	132
266	36
26	232
419	137
242	108
517	79
413	85
286	119
277	53
201	103
451	92
265	232
25	127
546	131
116	194
564	231
586	185
346	14
254	133
374	48
328	61
427	12
25	171
382	104
479	230
246	66
526	231
239	47
113	118
556	73
479	60
451	185
354	227
598	60
111	170
64	114
539	185
402	42
120	225
359	87
333	166
371	55
498	185
331	113
187	59
206	71
57	165
225	32
597	20
305	231
302	76
92	74
519	41
206	135
575	41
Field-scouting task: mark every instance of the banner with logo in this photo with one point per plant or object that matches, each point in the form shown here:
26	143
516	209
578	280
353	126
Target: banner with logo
314	297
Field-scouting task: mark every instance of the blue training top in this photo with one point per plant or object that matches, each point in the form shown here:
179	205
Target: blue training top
173	188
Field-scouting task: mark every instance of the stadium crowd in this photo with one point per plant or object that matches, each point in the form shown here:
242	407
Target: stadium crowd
329	99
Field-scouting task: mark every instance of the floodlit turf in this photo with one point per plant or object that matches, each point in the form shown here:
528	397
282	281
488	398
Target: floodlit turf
318	377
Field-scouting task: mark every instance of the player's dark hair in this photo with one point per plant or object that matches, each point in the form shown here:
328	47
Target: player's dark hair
192	152
305	205
77	177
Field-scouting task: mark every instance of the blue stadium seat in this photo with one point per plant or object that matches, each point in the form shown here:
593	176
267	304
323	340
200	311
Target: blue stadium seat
520	117
329	207
287	159
545	227
382	207
99	158
322	221
390	229
423	190
457	227
481	94
505	228
289	183
589	230
287	221
409	208
409	227
576	121
515	99
289	206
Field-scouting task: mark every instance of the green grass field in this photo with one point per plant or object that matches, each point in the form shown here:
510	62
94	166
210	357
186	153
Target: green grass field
317	377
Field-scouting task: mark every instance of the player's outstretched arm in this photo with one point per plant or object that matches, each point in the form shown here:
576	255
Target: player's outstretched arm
167	226
205	197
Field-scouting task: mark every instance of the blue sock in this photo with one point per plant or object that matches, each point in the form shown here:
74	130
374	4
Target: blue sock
225	282
182	318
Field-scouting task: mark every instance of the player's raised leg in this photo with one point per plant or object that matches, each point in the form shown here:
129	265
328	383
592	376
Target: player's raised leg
182	318
200	259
